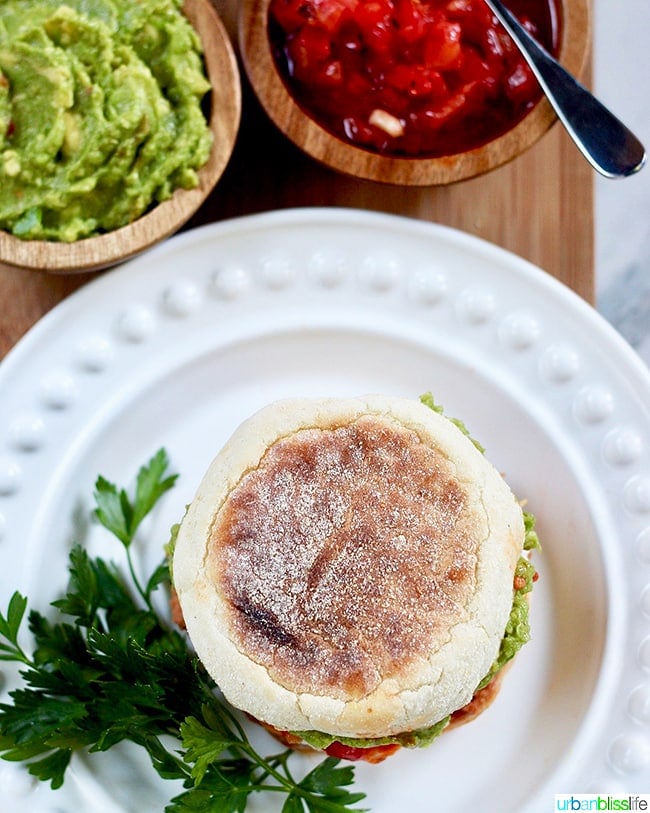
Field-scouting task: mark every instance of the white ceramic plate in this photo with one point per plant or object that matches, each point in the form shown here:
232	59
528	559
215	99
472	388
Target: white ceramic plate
177	347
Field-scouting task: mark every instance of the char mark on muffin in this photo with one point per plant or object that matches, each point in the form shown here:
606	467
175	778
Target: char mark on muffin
260	621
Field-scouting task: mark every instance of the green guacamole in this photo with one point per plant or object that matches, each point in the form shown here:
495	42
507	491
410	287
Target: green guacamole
100	113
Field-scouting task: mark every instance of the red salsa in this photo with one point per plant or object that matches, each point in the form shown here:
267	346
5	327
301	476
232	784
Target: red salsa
409	77
374	754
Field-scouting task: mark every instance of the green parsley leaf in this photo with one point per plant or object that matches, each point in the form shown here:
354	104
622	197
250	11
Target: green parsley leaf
224	797
202	747
293	804
10	625
121	515
159	577
150	486
9	628
330	783
51	768
113	510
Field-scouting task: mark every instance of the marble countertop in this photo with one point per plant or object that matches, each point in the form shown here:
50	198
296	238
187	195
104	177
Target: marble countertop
622	207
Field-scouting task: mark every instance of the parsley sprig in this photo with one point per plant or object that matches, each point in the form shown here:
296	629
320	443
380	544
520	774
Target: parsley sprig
118	671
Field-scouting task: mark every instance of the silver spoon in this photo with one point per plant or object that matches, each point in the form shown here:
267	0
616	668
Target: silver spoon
605	142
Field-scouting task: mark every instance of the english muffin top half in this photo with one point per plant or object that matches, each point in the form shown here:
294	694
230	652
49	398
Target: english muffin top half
346	566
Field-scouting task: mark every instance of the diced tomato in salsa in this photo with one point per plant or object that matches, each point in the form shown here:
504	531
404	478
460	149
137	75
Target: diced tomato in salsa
444	70
374	754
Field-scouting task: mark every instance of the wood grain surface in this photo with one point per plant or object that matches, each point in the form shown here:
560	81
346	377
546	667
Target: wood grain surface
539	206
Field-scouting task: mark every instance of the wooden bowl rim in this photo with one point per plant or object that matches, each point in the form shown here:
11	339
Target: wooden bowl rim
102	251
346	158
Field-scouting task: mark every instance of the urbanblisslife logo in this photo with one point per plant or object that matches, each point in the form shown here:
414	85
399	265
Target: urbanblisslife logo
601	801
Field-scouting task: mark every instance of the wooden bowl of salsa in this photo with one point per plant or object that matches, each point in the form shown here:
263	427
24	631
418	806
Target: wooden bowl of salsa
408	92
198	120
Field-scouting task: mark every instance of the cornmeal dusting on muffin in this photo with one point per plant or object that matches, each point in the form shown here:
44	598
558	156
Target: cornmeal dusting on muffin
345	554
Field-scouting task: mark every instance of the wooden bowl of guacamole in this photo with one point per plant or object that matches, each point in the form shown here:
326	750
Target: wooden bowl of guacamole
117	119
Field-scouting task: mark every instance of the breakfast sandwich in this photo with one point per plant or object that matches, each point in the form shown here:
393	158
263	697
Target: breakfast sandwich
352	573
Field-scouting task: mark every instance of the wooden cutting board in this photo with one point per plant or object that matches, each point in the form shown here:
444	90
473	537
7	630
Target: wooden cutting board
540	206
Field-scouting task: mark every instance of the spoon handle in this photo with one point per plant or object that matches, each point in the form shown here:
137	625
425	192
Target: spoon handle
605	142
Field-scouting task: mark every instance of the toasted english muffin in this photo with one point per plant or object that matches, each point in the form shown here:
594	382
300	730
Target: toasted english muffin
346	566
